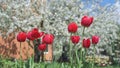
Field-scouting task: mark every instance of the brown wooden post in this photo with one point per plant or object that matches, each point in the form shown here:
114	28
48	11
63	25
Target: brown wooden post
10	48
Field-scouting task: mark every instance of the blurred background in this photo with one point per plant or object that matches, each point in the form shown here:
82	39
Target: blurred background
53	16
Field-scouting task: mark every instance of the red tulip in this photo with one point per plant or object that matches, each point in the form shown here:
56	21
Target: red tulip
21	37
41	34
35	33
86	43
75	39
42	47
29	36
86	21
48	39
72	27
95	39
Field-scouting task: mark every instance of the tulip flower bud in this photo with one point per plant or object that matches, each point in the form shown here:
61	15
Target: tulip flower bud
86	43
21	37
72	27
95	39
86	21
75	39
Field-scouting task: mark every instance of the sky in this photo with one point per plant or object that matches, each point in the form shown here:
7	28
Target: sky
110	2
117	4
104	2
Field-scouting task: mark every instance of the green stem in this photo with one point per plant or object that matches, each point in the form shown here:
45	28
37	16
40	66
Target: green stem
34	48
85	52
20	55
33	53
20	52
16	64
77	57
28	50
70	50
81	53
94	58
42	55
83	31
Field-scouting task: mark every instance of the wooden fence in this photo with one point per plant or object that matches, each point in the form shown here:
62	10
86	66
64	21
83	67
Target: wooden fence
10	47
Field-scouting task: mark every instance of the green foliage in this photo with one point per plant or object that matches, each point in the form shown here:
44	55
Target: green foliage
6	63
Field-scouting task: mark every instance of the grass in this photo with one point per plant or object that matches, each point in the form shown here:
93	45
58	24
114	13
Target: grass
114	66
7	63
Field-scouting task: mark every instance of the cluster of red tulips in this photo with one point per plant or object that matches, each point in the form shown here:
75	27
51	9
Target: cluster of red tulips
85	22
34	34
